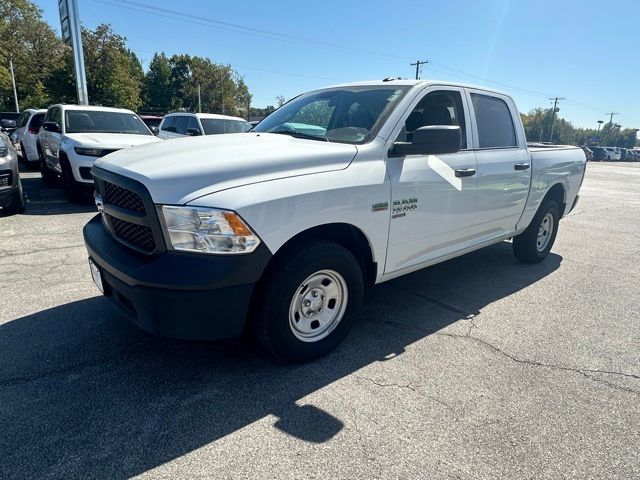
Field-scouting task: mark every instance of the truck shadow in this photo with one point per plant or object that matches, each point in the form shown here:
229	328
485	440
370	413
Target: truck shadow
44	199
84	394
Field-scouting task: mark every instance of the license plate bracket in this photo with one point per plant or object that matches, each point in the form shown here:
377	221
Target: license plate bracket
96	275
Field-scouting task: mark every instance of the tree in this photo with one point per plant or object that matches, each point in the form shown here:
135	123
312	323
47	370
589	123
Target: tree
280	100
35	49
114	73
158	86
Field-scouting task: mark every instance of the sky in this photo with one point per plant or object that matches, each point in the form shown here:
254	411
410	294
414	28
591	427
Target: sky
583	50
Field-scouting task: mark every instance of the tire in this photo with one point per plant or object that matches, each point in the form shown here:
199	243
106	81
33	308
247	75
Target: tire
73	190
322	273
17	202
532	245
48	177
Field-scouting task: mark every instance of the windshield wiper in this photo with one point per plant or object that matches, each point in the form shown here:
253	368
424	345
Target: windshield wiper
301	135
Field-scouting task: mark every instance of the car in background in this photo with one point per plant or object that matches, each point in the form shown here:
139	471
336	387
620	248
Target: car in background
11	195
9	121
181	124
599	153
25	137
73	137
636	153
612	153
152	121
587	152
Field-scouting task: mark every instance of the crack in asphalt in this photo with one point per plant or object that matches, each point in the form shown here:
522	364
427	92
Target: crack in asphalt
45	250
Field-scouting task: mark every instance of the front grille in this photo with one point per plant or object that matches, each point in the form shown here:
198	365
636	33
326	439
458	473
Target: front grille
5	178
137	235
128	212
122	197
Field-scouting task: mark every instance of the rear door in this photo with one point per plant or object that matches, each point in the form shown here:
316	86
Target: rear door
504	164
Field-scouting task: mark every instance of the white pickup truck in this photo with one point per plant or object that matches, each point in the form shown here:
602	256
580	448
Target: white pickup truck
279	230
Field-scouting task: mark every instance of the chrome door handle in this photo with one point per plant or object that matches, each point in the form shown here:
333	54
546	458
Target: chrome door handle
465	172
521	166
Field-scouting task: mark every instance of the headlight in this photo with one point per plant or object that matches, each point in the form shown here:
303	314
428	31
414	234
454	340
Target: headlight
207	230
92	152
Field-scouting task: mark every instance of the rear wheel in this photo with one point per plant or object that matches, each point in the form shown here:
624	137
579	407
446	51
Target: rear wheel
48	177
308	302
534	244
73	190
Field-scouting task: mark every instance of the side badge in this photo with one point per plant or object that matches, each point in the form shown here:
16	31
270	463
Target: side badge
379	207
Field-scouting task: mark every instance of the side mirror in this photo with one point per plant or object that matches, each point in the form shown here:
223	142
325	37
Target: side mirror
155	130
432	139
51	127
193	132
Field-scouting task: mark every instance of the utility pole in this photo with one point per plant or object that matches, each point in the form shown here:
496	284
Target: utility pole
600	122
199	100
417	65
553	114
611	114
13	81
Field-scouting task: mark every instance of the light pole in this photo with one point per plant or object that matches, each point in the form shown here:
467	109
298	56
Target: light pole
600	122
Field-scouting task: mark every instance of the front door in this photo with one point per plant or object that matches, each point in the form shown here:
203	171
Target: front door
433	196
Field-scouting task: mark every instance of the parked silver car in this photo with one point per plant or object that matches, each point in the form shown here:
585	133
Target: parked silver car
11	195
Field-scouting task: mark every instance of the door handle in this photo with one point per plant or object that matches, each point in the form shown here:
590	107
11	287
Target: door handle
465	172
521	166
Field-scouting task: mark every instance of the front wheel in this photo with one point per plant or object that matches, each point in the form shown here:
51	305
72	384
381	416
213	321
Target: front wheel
534	244
308	302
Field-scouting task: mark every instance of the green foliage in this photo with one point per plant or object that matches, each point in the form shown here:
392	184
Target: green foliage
35	49
158	86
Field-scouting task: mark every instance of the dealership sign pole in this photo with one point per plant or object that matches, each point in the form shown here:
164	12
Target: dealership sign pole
71	35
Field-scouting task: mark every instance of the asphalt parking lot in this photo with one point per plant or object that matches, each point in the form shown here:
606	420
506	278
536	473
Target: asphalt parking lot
480	367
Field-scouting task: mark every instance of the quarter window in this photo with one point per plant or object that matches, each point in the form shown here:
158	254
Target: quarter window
168	124
494	121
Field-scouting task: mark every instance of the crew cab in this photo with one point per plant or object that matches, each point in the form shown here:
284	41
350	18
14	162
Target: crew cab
279	230
72	137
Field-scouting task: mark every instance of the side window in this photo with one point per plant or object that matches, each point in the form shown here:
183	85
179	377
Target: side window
57	116
495	125
181	124
442	107
36	121
193	123
168	124
49	115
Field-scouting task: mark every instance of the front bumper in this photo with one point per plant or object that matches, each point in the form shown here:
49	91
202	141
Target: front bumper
174	294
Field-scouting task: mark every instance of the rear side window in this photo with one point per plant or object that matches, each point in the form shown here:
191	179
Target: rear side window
495	125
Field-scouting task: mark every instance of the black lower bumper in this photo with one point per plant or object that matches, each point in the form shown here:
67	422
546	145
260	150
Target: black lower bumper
7	194
177	295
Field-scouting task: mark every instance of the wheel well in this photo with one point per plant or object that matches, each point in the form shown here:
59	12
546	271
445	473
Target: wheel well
557	194
343	234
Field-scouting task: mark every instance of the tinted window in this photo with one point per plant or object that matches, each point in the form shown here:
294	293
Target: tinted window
181	124
49	116
57	116
193	124
169	124
495	125
23	119
442	107
216	126
36	120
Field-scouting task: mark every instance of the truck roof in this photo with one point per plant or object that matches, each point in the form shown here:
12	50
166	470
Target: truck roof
412	83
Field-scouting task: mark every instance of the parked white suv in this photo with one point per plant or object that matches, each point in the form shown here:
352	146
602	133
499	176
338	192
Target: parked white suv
613	153
25	136
73	137
181	124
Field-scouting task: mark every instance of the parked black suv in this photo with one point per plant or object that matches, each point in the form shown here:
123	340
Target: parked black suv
599	153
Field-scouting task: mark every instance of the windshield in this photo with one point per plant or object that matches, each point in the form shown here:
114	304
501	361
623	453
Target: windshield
85	121
216	126
346	115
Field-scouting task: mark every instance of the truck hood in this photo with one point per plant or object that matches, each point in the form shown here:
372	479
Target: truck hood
181	170
111	140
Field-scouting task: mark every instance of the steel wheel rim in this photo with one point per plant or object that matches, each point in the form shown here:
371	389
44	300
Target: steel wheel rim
318	305
545	232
